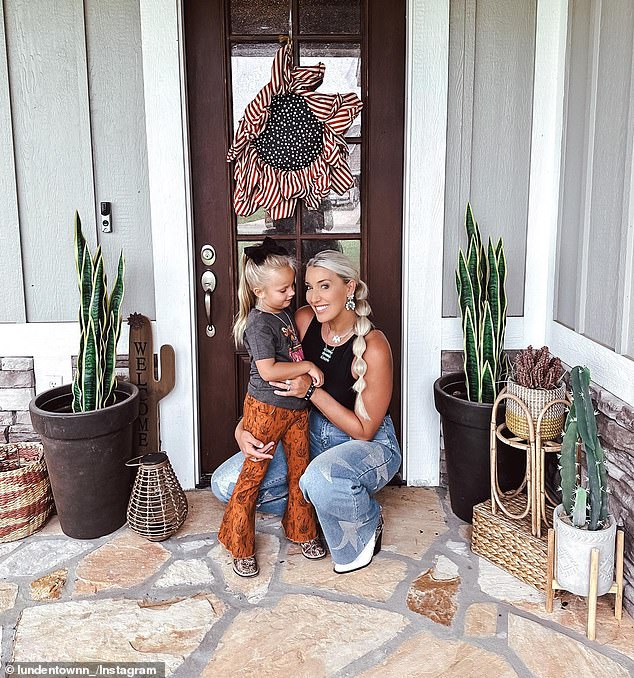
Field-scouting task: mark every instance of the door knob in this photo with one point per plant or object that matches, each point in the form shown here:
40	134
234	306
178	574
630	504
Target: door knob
208	282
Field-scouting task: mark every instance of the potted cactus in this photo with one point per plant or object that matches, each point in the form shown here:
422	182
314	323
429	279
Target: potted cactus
582	521
536	380
465	399
86	426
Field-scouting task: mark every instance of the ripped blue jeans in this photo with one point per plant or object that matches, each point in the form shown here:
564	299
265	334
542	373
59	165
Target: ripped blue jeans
340	482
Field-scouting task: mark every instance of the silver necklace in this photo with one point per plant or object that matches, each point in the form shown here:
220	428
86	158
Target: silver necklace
327	351
275	315
336	338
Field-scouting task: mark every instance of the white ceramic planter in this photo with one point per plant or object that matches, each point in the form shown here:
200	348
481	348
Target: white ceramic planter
573	551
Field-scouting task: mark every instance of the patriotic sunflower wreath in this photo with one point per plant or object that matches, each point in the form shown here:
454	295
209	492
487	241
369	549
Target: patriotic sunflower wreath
290	142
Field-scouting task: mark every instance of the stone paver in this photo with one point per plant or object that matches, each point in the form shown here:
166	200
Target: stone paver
413	520
301	636
426	655
426	606
188	546
185	573
37	556
121	563
5	549
434	598
548	653
49	587
371	583
481	619
8	594
571	612
115	630
267	548
52	528
500	584
204	514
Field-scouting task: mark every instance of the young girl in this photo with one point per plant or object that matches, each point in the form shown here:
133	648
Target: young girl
266	328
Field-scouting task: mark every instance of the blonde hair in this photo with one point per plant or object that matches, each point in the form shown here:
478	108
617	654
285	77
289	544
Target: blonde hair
254	276
340	264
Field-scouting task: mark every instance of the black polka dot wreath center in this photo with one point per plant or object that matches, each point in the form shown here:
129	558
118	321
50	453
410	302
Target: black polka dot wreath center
293	137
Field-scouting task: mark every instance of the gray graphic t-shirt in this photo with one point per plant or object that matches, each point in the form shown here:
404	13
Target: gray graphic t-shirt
269	335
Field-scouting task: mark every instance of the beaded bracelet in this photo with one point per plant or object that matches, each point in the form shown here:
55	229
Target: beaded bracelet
309	393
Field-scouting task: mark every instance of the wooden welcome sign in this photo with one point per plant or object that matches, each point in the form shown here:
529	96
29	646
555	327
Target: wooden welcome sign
147	435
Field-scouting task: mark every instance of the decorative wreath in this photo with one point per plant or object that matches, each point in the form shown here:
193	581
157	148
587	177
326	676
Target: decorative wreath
290	142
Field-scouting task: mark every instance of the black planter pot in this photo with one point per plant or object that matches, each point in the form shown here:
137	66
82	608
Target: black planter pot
85	454
466	430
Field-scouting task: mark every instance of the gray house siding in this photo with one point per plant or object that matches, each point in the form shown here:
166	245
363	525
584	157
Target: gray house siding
491	65
73	135
594	256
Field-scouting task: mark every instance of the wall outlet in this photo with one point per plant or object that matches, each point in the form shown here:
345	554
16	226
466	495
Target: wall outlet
54	380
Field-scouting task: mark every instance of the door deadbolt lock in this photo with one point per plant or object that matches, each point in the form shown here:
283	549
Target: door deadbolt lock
208	255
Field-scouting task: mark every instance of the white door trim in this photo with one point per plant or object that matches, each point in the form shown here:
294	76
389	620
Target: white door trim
427	64
170	205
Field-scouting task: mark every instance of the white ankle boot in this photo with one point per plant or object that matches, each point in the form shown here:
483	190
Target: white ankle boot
365	557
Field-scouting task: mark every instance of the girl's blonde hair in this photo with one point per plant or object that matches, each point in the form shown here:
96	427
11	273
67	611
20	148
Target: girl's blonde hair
254	276
340	264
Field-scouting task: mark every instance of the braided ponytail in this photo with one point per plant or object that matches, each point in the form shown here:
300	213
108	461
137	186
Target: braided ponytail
362	326
340	264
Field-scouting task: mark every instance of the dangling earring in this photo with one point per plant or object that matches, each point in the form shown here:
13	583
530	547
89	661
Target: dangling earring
350	303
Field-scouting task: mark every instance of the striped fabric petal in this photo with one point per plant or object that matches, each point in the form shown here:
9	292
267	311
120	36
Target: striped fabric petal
259	184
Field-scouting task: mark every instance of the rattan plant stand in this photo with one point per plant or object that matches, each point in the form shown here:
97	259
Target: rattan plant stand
536	450
616	588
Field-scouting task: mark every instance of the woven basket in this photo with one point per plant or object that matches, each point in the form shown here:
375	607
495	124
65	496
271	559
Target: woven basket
158	505
26	500
535	400
509	543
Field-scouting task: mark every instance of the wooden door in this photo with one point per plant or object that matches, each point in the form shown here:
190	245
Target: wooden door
230	45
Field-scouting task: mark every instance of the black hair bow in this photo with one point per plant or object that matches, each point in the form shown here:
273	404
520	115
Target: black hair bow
259	253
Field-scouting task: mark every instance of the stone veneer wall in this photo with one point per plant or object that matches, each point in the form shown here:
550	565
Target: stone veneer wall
17	387
615	421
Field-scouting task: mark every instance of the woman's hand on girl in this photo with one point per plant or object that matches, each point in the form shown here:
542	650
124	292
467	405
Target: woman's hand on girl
251	447
293	387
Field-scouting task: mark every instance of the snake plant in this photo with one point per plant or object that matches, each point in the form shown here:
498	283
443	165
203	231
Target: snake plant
587	506
480	281
95	381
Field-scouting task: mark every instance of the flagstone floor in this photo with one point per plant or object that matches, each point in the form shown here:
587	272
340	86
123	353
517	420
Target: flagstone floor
426	606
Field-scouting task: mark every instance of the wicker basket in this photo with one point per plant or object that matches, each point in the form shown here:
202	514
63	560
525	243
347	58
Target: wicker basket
26	500
535	400
158	505
509	543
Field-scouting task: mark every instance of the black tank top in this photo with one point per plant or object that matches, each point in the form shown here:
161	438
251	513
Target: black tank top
338	379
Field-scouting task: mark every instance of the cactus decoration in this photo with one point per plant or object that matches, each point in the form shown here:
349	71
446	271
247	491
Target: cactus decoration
95	381
587	506
147	426
480	281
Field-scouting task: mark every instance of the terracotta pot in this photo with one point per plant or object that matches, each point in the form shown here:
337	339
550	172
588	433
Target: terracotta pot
573	550
85	453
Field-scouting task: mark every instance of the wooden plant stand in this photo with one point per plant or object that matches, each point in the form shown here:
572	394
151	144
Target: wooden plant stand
616	588
536	450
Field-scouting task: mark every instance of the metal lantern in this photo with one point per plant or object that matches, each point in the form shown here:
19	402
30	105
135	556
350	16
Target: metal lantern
158	505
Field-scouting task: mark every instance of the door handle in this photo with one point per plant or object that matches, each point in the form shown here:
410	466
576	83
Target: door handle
208	281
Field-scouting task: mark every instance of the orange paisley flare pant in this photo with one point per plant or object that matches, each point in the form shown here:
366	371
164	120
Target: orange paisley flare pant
269	423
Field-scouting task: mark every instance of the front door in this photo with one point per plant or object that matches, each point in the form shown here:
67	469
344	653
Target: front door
230	46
